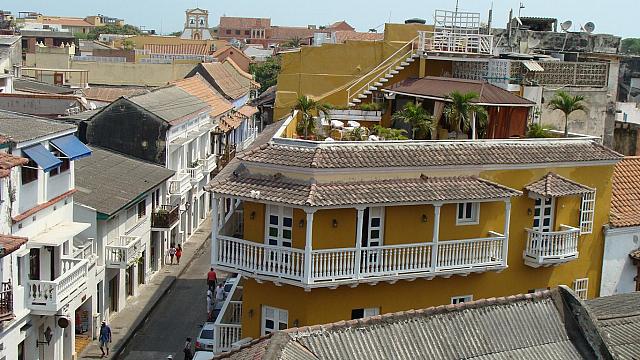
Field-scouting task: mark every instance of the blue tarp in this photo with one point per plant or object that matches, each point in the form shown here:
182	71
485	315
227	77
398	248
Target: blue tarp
71	146
43	157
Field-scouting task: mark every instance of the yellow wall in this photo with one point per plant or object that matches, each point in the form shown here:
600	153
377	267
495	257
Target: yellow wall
133	74
405	225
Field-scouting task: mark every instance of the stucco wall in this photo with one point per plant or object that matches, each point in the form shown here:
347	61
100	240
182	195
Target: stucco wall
618	271
132	74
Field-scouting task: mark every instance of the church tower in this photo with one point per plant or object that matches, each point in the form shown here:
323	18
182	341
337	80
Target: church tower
196	25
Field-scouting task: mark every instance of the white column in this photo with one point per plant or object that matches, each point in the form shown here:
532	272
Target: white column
507	220
308	246
358	260
436	235
214	232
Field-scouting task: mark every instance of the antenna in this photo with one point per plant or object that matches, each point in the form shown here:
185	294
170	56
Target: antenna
520	9
565	26
589	27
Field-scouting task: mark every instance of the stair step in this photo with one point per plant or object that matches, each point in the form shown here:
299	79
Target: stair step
383	80
404	64
398	68
362	96
410	60
357	101
372	88
394	72
415	55
388	76
368	92
351	104
378	84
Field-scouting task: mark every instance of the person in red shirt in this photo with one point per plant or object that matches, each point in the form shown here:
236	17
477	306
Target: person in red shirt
179	253
211	279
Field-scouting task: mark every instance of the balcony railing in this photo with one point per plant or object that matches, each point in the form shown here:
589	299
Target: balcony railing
195	173
165	216
86	252
453	42
226	156
180	184
550	248
378	263
208	164
123	252
6	302
227	327
47	297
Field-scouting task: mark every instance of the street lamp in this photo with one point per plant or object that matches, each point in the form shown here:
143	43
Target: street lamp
48	334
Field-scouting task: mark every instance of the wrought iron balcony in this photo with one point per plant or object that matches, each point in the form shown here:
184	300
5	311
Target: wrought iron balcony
165	216
6	302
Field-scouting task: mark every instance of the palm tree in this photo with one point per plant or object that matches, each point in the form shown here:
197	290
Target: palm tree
567	104
460	111
421	122
306	106
293	43
389	133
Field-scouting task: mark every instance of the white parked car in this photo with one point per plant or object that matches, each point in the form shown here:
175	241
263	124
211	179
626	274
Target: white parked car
204	341
203	355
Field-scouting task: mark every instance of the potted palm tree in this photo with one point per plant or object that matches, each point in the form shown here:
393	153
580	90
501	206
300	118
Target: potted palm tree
307	126
422	124
567	103
460	112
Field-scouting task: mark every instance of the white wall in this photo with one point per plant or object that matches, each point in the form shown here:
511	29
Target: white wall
628	112
618	271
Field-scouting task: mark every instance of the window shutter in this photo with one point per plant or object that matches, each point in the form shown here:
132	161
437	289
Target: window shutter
587	210
581	287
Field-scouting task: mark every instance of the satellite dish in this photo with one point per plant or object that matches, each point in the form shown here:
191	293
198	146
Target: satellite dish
565	26
589	27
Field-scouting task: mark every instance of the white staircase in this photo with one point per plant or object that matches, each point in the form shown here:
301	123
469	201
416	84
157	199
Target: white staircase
381	74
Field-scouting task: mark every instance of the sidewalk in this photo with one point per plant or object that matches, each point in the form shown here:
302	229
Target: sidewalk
124	323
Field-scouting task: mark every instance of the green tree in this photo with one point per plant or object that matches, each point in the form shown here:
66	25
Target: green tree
110	29
176	33
567	103
460	111
422	124
292	43
307	108
389	133
630	46
266	73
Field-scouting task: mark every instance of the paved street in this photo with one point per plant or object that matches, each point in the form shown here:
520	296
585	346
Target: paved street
176	317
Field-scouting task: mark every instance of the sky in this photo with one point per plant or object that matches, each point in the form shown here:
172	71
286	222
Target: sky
618	17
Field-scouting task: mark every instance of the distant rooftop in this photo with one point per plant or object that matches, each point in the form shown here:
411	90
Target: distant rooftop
20	127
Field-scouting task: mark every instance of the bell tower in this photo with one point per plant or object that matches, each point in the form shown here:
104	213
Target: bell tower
196	25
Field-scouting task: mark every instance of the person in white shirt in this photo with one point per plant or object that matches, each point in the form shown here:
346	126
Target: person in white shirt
220	293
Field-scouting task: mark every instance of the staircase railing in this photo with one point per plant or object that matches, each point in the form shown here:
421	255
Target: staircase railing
389	64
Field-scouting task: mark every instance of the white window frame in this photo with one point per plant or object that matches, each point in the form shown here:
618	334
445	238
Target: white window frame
277	315
475	213
281	212
581	288
368	312
541	217
376	213
587	212
461	299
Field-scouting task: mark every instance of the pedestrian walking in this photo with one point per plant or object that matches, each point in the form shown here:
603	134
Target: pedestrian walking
220	293
172	252
211	279
179	253
104	338
209	303
188	355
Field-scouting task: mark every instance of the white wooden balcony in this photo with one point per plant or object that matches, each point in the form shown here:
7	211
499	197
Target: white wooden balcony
48	297
180	184
333	267
451	42
227	326
208	164
195	173
551	248
123	252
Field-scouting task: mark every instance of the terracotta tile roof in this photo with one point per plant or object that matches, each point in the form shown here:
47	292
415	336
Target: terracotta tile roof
8	161
439	87
431	154
420	190
625	193
9	244
178	49
66	21
226	78
197	86
244	22
45	205
342	36
281	33
555	185
342	25
635	254
248	110
530	326
110	94
231	121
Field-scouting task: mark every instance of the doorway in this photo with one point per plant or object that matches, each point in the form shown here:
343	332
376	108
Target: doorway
113	294
141	267
128	280
543	214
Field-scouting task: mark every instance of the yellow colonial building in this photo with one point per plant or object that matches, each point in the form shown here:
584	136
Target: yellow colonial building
327	231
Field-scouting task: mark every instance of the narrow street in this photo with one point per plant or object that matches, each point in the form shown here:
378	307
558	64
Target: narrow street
178	315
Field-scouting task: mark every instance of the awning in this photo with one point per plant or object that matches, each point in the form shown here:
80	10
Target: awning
57	234
43	157
72	147
532	66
